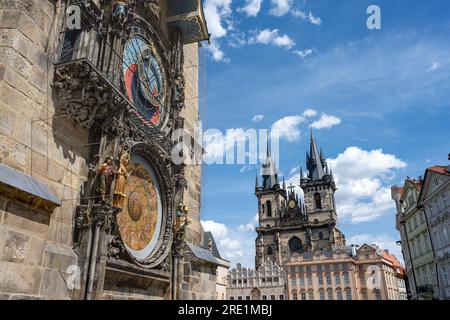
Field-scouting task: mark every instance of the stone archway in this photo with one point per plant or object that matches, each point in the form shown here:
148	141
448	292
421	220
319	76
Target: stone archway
255	294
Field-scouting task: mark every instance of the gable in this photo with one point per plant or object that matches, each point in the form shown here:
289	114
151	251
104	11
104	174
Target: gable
433	182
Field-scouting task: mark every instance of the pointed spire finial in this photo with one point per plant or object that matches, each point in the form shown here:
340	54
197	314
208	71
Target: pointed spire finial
256	183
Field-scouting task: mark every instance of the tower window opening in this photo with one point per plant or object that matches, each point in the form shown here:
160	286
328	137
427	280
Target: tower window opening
269	209
318	200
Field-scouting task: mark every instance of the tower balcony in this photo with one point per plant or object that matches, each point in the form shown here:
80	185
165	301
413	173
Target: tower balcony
88	77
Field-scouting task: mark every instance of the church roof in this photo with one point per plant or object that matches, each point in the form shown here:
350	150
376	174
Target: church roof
269	170
315	160
208	235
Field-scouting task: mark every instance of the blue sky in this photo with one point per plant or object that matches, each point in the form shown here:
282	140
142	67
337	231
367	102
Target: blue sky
379	101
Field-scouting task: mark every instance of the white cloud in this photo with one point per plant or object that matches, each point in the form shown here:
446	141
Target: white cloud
309	17
251	8
218	230
258	117
218	16
217	13
216	52
363	179
309	113
384	241
273	37
303	53
280	7
287	127
314	20
235	244
434	66
326	121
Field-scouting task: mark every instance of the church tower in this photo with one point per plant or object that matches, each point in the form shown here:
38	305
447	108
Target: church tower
318	188
271	198
288	225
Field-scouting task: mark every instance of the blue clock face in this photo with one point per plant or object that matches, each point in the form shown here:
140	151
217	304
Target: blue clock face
143	78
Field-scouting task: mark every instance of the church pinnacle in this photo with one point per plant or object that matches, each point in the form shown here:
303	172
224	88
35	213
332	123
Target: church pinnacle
315	160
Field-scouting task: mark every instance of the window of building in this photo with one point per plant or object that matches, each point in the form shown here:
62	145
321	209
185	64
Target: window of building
365	295
239	297
318	201
337	278
294	296
320	235
322	295
272	297
330	295
348	294
294	282
303	296
292	270
310	295
269	208
445	275
309	281
319	267
363	279
300	268
320	279
247	297
378	294
328	279
264	297
339	294
281	297
302	281
308	268
295	245
231	298
445	236
269	251
346	278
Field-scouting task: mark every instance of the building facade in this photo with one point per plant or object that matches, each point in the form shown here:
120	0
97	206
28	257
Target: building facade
434	199
265	283
92	203
366	273
416	242
288	226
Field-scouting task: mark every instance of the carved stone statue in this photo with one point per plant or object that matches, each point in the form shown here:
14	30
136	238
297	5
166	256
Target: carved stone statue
105	178
181	224
122	176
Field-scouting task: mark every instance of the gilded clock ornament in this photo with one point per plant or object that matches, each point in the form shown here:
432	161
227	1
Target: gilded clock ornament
291	204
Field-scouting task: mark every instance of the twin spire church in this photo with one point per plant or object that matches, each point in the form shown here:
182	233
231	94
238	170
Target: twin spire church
286	224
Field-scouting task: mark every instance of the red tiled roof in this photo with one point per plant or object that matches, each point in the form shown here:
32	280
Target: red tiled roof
392	259
440	169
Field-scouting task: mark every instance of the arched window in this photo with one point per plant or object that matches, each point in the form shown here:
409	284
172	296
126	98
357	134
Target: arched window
320	235
269	209
318	200
295	245
269	251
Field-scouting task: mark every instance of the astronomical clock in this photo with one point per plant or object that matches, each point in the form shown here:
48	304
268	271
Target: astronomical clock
120	80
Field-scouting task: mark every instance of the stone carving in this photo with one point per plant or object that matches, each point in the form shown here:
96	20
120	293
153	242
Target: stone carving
105	178
122	176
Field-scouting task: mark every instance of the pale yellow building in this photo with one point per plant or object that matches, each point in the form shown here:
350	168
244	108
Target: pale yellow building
366	273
